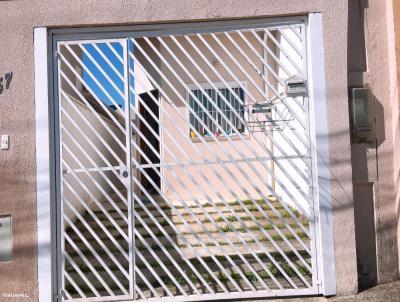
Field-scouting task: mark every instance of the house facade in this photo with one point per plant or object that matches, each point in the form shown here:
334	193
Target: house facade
198	150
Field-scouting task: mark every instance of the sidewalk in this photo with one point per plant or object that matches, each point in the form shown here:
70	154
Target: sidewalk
382	293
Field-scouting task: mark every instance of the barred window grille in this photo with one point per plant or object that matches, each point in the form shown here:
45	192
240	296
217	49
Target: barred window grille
202	122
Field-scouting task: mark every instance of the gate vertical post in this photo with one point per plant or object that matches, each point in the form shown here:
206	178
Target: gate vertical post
321	178
129	188
43	179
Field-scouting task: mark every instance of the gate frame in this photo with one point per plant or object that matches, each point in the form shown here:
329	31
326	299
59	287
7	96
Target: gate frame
45	45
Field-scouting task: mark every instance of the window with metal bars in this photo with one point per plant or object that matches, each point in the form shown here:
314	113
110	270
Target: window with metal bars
220	112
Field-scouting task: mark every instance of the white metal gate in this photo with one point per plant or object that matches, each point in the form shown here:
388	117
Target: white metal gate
187	168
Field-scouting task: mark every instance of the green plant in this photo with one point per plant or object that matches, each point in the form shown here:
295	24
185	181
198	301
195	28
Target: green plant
268	227
231	218
296	213
226	229
247	202
236	277
246	218
222	277
251	276
302	234
276	238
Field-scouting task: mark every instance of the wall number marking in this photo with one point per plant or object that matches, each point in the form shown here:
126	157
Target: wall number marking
5	81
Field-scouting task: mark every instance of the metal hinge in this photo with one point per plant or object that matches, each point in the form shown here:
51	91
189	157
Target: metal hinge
60	296
318	283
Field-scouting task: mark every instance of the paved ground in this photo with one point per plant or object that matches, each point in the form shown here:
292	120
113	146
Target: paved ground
382	293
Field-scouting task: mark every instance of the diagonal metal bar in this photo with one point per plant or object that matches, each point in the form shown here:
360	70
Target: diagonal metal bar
239	134
285	207
233	110
67	294
227	221
276	77
206	127
83	82
270	52
74	286
199	103
207	180
164	267
140	293
286	54
84	152
194	233
258	55
141	152
96	183
97	256
293	28
99	241
81	274
155	275
198	204
84	258
183	238
195	182
87	104
301	173
97	220
294	46
151	288
105	58
94	78
97	202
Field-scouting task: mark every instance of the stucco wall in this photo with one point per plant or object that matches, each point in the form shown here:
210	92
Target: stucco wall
373	163
396	114
17	185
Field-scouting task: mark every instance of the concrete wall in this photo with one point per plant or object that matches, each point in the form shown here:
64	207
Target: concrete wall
396	113
17	186
373	163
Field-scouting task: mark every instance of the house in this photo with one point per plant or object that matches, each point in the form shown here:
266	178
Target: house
168	151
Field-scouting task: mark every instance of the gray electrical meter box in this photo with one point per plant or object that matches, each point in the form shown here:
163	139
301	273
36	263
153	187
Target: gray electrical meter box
5	239
362	115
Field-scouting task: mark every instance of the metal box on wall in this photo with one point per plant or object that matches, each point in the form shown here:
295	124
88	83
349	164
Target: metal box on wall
362	115
5	239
